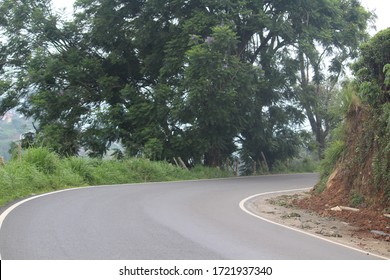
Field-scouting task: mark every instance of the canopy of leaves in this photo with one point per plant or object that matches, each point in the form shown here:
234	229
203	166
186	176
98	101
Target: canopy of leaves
192	79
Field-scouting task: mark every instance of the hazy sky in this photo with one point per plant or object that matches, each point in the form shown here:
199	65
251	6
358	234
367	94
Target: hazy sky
381	8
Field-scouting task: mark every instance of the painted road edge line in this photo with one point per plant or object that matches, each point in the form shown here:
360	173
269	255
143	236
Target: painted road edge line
7	211
243	208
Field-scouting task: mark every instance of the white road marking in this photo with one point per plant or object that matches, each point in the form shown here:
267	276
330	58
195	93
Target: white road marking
243	208
241	204
12	207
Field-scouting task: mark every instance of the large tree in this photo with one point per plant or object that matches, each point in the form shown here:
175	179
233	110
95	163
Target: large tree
328	34
217	86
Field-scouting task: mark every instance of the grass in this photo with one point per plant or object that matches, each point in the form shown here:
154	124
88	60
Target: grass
41	171
297	165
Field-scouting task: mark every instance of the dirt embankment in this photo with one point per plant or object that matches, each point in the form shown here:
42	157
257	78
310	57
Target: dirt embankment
365	230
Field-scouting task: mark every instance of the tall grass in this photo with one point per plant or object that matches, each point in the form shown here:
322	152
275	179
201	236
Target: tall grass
41	171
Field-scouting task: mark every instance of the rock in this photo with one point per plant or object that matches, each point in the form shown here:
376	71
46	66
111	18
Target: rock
334	234
306	226
290	215
386	215
329	233
341	208
293	215
378	232
349	209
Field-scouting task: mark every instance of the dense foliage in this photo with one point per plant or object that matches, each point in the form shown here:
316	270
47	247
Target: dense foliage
195	79
372	69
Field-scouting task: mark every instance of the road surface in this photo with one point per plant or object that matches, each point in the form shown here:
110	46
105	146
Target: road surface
176	220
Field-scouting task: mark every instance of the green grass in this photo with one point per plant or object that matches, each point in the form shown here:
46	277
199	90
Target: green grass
298	165
42	171
332	154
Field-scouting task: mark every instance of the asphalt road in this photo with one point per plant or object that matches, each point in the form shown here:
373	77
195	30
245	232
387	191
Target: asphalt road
176	220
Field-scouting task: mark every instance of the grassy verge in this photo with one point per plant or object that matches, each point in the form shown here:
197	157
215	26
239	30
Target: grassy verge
304	165
41	171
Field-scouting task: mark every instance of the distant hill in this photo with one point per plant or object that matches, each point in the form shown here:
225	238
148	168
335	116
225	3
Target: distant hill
12	126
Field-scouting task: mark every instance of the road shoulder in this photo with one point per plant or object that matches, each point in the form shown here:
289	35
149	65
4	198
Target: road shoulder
280	209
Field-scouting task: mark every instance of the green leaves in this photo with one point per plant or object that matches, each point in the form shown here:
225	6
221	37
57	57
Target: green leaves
214	82
372	69
195	79
327	35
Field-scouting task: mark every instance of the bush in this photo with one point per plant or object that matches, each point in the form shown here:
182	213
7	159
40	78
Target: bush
356	199
20	179
84	167
332	154
43	159
349	99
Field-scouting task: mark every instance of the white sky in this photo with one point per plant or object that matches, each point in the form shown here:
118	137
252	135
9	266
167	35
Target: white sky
63	3
381	8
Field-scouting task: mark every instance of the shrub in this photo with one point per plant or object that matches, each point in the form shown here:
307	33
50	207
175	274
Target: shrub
42	158
332	155
19	179
84	167
356	199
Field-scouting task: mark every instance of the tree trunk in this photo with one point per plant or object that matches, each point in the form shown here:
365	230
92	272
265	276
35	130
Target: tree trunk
212	157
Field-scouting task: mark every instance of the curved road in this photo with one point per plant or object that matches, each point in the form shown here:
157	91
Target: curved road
175	220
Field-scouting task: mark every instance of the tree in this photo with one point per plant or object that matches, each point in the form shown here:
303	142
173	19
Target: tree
36	65
327	36
216	84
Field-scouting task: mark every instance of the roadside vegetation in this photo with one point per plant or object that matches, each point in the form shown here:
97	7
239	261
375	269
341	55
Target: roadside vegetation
40	170
356	168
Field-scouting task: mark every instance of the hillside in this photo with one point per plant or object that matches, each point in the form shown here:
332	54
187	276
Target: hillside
361	176
362	173
356	169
